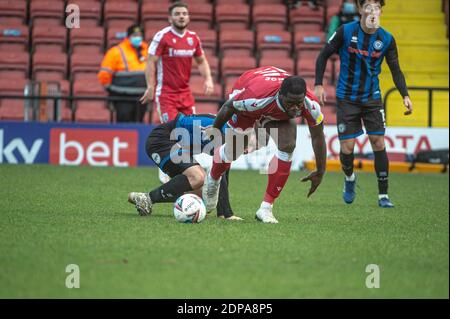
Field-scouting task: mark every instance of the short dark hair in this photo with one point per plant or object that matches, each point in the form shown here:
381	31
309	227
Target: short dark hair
177	4
361	2
293	84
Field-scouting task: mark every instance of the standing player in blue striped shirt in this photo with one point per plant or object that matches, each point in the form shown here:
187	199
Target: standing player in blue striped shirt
362	46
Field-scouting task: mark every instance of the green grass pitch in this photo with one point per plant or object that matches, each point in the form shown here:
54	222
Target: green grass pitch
54	216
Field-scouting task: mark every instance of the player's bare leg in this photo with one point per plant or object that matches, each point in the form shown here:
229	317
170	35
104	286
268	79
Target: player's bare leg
381	169
346	157
279	166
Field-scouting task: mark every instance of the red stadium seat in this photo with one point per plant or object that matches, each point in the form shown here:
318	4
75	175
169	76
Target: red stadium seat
152	11
47	12
90	12
306	65
201	15
274	40
208	39
49	38
196	84
49	66
233	16
13	37
154	26
232	66
14	64
90	111
120	14
329	115
213	65
308	40
286	64
268	2
237	43
206	108
305	15
84	63
115	36
274	14
13	12
12	109
87	40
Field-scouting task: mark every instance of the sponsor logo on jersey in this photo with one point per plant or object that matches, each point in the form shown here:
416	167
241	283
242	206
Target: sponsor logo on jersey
354	39
181	53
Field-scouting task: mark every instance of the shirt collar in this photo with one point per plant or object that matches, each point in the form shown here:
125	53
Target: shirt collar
176	33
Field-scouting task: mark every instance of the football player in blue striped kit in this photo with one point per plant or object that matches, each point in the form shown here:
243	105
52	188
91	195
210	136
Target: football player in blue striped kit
362	46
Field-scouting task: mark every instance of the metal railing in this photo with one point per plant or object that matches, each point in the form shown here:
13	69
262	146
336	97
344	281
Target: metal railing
34	108
430	90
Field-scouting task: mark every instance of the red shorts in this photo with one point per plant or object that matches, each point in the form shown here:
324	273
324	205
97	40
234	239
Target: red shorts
169	105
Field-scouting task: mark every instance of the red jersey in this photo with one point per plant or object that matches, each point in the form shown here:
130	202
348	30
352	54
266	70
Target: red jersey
255	95
175	52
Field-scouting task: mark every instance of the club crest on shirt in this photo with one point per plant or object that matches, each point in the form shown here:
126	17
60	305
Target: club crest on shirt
341	128
378	45
174	40
190	41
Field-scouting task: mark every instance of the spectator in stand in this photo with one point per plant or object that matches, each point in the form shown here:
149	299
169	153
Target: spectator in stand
348	13
122	74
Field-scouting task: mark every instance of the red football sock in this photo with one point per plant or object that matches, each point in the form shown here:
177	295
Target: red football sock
219	165
279	171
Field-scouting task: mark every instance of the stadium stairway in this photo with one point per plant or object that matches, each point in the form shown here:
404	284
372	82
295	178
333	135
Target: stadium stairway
421	34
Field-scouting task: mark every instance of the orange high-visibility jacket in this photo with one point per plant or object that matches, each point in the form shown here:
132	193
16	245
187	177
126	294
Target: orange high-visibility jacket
121	70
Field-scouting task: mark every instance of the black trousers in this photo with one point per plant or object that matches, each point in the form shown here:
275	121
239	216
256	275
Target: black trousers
129	111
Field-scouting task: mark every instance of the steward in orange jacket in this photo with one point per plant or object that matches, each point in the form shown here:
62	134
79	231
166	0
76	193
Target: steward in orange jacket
122	74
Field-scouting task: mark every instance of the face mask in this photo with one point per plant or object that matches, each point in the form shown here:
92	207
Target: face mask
349	8
136	41
373	16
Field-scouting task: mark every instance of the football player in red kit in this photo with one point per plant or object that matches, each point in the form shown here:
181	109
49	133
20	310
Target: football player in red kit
271	98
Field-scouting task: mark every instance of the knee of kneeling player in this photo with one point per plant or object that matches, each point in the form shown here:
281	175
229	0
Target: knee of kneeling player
196	178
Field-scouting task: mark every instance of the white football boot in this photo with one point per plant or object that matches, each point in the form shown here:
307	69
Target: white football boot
265	215
163	177
210	192
142	202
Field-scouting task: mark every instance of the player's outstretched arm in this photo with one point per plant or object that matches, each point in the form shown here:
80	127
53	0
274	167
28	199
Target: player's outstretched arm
225	113
320	153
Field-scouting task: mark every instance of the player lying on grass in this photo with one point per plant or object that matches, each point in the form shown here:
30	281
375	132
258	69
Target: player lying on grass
171	146
274	98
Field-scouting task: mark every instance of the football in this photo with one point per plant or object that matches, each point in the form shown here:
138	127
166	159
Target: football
189	208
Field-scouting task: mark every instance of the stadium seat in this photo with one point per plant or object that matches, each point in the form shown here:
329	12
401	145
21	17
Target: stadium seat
47	12
304	16
329	115
271	17
233	16
308	40
275	41
232	66
14	64
13	12
208	39
87	40
49	38
196	84
12	109
206	108
13	37
90	111
213	62
201	15
114	36
90	12
49	66
152	11
84	63
286	64
154	26
239	43
120	14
